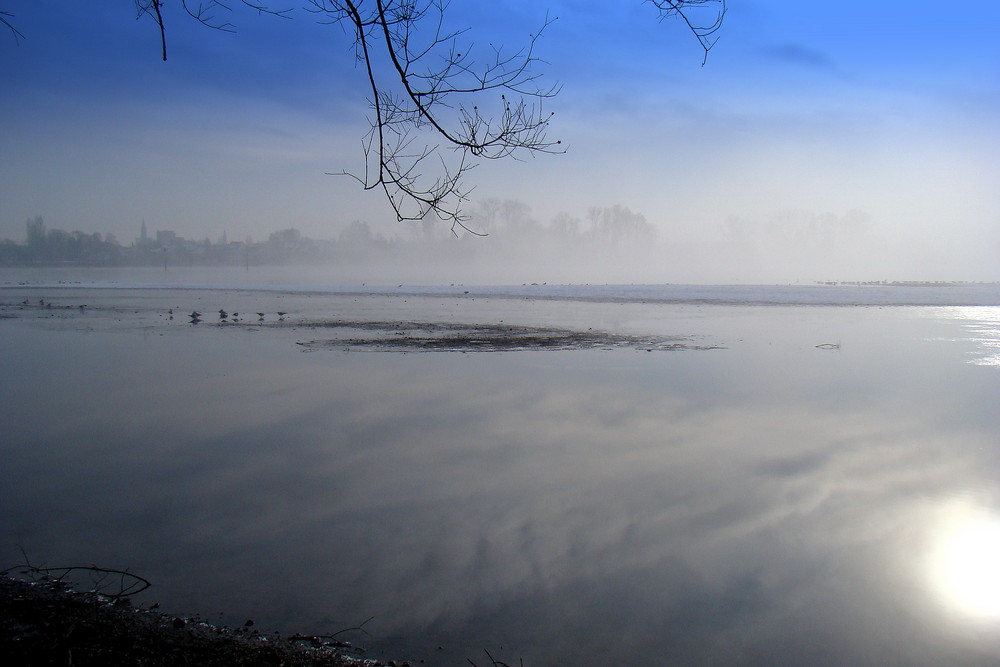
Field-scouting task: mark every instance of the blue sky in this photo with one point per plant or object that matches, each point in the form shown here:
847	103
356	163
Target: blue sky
817	108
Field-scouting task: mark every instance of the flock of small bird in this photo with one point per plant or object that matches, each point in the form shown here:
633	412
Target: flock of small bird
195	316
42	303
228	317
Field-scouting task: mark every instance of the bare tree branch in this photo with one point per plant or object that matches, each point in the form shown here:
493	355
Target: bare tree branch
105	581
203	12
685	10
428	95
18	35
439	103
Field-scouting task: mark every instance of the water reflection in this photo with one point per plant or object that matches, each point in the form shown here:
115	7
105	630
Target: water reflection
965	562
767	503
982	328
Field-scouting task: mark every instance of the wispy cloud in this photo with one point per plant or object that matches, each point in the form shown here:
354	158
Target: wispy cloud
798	54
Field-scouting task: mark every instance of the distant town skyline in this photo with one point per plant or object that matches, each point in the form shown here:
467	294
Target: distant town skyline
608	245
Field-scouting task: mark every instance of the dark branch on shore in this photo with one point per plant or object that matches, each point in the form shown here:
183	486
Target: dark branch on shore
103	580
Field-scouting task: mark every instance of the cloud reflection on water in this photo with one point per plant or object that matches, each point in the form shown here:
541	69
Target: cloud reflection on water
747	505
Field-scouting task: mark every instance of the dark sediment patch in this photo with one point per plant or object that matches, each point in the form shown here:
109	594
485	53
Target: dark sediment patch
456	337
385	335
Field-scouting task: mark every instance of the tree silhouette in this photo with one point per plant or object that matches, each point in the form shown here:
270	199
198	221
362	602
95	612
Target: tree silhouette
438	106
685	10
6	22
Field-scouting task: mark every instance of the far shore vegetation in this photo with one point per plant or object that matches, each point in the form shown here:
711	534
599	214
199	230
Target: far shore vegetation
603	230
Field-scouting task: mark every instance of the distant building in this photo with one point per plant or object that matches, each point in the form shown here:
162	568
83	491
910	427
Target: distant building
166	238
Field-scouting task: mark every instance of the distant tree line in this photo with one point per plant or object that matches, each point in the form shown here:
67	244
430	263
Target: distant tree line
611	226
55	246
508	226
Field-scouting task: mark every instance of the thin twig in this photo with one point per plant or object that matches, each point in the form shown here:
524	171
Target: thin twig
18	35
128	583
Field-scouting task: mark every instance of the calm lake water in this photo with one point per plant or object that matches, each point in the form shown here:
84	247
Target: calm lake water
822	486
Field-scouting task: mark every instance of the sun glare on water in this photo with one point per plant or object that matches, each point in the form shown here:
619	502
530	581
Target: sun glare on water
965	565
982	328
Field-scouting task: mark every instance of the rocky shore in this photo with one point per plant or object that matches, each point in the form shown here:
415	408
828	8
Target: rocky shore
47	623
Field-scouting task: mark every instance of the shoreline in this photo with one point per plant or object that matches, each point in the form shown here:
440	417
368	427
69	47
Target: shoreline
46	622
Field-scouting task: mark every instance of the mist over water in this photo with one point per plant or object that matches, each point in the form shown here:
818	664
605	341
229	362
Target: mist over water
504	242
813	489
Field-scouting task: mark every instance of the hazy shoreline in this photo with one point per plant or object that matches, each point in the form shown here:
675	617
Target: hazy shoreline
840	294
